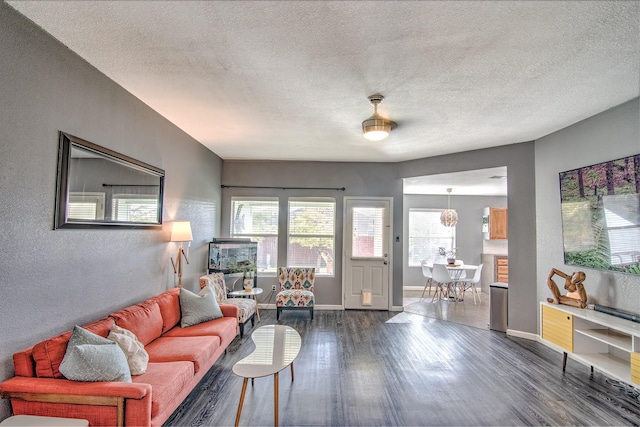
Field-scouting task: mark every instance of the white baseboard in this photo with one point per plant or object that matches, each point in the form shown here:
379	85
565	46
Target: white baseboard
329	307
413	288
317	307
323	307
525	335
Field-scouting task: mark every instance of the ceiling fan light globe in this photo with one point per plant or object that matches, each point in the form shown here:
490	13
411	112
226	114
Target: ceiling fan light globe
376	135
376	128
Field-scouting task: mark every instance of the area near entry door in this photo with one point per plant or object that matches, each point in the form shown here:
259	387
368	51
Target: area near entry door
367	253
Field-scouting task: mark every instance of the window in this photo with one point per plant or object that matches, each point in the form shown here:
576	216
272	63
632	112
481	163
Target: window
257	219
426	235
85	206
368	229
134	208
312	234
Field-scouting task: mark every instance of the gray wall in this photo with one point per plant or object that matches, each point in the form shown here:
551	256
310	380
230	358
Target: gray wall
385	180
359	179
519	160
52	280
606	136
469	237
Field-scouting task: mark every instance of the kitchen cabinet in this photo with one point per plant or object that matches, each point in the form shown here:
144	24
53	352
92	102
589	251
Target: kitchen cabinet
502	269
495	269
495	224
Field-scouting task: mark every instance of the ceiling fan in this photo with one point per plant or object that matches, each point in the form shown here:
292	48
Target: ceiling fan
376	127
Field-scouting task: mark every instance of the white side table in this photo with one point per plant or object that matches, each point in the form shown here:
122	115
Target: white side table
37	421
252	292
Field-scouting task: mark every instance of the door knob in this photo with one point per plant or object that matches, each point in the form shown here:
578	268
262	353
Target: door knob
385	263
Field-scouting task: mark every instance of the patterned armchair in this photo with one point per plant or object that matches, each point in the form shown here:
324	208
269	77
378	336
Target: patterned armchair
246	306
296	290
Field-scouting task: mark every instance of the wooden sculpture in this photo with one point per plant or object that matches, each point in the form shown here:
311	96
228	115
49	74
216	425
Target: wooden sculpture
576	295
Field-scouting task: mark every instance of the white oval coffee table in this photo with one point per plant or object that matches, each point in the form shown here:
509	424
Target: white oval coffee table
277	346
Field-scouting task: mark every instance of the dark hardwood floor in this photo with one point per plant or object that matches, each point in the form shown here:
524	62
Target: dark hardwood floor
373	368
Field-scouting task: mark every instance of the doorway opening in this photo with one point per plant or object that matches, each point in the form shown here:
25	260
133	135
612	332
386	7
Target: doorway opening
426	240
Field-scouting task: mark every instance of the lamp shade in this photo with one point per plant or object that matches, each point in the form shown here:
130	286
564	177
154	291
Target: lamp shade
449	217
181	231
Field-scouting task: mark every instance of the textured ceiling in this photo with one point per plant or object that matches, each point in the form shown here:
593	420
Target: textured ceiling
290	80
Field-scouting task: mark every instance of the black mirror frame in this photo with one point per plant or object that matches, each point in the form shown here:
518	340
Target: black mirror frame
66	141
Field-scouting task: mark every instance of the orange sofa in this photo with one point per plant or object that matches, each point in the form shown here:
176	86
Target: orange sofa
178	359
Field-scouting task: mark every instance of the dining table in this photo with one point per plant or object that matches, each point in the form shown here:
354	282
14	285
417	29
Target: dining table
456	270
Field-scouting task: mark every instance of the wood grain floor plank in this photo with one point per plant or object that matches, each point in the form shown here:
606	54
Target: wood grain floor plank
374	368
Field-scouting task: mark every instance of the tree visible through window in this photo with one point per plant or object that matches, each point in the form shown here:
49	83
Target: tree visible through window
312	234
426	235
258	220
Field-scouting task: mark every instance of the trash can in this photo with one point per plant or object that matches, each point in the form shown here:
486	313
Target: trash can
498	293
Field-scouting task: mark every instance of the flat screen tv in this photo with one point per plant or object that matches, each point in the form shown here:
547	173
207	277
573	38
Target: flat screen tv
601	215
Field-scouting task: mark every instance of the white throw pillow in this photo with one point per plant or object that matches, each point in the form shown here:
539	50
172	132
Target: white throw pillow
137	356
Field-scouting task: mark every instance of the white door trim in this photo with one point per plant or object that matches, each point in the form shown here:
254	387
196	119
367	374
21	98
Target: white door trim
389	237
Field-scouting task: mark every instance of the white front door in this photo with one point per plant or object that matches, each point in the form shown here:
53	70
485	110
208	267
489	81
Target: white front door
367	237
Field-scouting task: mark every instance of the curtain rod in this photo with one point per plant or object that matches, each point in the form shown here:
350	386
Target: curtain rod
283	188
130	185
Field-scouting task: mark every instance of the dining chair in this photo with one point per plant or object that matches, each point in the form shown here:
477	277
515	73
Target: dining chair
443	280
458	274
471	284
426	272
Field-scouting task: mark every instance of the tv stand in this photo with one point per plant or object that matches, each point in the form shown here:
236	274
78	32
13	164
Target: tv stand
601	341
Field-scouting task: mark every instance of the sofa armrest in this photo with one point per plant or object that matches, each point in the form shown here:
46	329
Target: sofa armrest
229	310
54	390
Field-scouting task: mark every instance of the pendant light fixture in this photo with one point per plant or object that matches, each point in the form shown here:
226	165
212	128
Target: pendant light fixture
449	217
376	127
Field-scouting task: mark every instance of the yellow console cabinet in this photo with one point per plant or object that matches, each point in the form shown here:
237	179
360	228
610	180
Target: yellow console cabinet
635	368
557	327
602	341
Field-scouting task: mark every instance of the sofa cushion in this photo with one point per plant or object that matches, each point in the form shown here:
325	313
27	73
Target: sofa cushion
48	354
90	357
190	349
143	319
169	304
226	328
198	308
137	356
166	380
24	364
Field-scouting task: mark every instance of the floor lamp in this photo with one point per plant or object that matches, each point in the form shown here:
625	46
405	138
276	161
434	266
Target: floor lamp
181	232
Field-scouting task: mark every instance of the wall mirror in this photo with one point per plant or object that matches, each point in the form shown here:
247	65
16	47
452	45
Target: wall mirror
98	187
